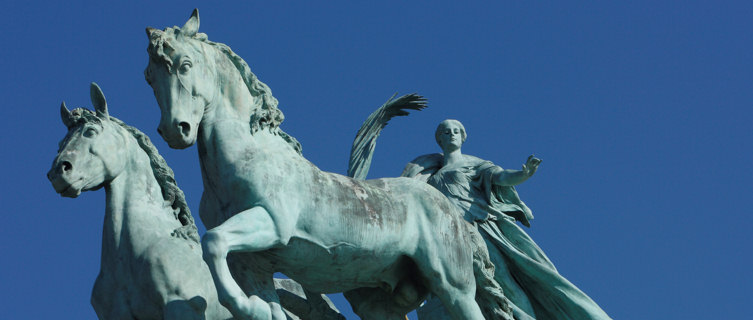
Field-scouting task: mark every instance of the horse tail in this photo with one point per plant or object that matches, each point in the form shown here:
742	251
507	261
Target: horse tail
489	294
363	145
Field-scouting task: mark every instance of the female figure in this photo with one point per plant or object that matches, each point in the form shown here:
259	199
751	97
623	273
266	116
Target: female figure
486	195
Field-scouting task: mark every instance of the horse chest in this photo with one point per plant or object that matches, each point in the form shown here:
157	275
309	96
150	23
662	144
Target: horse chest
118	293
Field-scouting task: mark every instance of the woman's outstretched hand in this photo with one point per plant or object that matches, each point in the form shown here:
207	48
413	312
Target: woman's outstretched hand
531	165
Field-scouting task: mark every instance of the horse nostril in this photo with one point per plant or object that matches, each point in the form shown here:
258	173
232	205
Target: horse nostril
159	131
185	128
66	166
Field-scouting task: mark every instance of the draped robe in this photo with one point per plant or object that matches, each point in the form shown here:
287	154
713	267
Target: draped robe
518	260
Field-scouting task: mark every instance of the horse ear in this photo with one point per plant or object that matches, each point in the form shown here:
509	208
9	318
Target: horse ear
192	25
65	115
99	102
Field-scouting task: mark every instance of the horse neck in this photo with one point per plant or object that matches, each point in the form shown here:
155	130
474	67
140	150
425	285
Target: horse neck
226	124
224	144
233	101
135	211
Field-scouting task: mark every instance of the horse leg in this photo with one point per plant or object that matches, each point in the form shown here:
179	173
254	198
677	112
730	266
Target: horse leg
460	302
255	278
380	303
250	230
452	281
374	304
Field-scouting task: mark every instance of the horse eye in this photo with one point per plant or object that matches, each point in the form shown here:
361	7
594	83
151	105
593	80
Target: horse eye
90	132
185	67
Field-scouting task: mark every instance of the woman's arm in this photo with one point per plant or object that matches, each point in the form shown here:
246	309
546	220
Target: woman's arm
516	177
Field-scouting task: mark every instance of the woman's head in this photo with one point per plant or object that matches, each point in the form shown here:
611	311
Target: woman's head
446	131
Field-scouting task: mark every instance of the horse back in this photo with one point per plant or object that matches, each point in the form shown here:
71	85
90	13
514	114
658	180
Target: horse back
393	212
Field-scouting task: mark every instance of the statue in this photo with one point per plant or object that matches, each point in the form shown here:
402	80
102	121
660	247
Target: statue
151	259
160	264
486	196
386	243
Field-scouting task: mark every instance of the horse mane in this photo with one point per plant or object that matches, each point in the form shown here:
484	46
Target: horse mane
266	116
162	172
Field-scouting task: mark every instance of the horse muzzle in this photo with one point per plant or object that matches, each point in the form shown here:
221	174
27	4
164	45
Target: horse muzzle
61	177
179	136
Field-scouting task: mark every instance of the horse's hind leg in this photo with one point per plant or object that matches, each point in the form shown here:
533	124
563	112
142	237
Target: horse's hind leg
374	304
453	282
459	302
248	231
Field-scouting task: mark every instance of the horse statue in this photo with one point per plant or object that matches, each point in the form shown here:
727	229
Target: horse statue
385	243
152	265
150	242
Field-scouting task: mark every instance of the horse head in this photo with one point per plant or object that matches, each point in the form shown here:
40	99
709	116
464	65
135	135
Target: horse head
193	77
91	153
183	78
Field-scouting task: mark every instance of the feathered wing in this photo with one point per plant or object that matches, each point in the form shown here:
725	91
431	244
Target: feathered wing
365	141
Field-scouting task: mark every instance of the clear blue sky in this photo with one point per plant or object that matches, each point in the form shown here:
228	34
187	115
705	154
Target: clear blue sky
641	112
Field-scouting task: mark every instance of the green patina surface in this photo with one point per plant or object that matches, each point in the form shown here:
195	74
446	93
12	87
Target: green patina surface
446	230
385	243
486	196
152	266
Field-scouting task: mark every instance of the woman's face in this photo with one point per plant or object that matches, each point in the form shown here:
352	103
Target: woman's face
450	137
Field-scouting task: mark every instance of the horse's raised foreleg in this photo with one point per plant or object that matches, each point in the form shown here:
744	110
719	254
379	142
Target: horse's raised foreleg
248	231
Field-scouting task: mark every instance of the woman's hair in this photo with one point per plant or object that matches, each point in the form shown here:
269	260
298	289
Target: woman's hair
443	124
